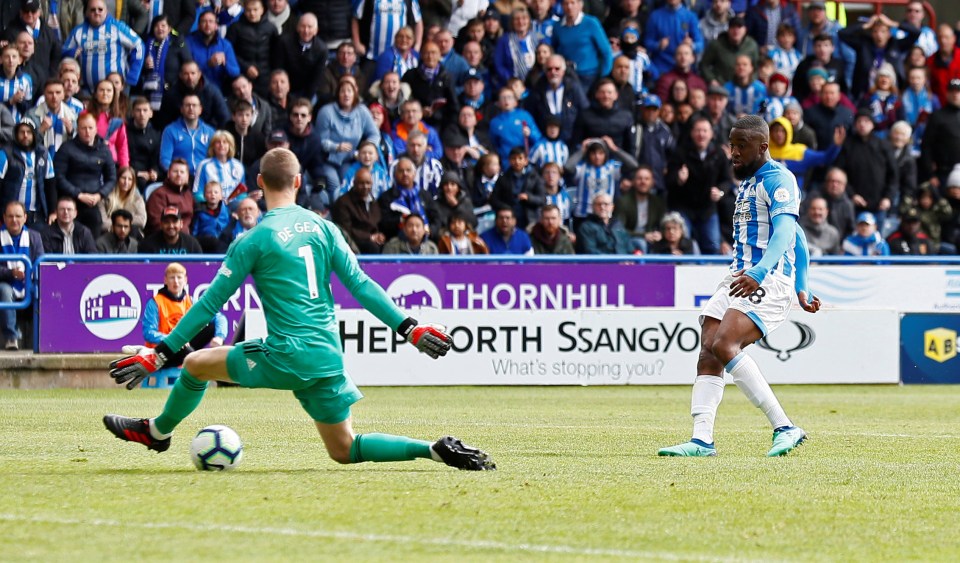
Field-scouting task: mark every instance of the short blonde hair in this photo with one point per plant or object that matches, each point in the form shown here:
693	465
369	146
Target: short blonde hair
224	135
175	268
279	168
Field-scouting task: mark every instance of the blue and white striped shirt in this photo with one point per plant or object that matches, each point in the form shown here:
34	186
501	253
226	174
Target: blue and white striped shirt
785	61
770	192
592	181
745	99
10	86
112	47
28	185
381	181
428	175
562	200
229	175
549	151
388	17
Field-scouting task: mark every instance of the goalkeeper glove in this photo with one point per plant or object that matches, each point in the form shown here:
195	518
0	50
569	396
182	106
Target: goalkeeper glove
134	369
430	339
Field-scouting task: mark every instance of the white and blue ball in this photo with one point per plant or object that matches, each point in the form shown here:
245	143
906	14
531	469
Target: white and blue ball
216	448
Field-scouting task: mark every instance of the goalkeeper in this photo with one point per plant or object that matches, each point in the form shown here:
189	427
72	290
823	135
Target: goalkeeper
290	255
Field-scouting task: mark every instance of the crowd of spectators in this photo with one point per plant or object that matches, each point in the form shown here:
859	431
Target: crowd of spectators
473	127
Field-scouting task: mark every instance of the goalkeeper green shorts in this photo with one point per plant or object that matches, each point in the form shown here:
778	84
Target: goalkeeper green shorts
326	399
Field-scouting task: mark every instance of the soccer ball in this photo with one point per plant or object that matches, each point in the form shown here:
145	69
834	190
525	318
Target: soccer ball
216	448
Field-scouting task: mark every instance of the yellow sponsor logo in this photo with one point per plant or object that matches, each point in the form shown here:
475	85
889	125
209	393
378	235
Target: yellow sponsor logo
940	344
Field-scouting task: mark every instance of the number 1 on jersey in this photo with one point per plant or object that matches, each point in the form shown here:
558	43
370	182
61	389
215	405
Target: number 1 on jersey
306	253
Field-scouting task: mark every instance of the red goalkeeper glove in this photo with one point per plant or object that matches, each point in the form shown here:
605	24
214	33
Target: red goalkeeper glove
430	339
134	369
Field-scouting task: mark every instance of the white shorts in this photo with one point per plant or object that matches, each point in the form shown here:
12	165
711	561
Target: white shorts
767	307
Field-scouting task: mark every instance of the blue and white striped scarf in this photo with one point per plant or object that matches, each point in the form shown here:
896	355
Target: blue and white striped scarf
20	245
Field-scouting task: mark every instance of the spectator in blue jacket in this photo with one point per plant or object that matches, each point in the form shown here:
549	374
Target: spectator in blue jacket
213	53
188	137
764	18
667	28
656	141
211	219
580	38
505	238
514	127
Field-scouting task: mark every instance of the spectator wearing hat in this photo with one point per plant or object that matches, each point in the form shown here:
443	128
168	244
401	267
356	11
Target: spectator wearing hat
476	97
683	69
764	19
455	161
875	44
720	56
716	20
871	168
802	134
550	148
940	149
27	175
934	212
882	98
944	65
174	192
358	214
557	95
669	27
655	140
716	111
909	238
777	98
85	170
822	56
172	238
825	116
640	71
453	200
579	38
46	54
866	240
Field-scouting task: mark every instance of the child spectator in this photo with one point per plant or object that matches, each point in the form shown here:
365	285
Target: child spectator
16	88
556	191
866	241
777	98
882	98
784	55
368	157
459	239
519	189
550	148
211	218
599	173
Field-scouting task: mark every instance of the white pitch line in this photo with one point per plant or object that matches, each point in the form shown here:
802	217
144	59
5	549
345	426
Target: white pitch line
353	536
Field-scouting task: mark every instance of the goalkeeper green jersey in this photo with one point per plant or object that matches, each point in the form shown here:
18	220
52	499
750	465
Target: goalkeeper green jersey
291	255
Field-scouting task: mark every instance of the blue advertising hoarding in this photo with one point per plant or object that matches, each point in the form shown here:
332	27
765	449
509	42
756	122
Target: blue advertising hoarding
928	348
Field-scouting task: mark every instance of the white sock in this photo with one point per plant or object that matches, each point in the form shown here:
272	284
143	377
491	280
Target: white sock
746	374
156	433
706	397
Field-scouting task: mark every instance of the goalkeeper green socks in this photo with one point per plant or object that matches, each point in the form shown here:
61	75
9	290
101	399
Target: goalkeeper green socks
184	398
386	447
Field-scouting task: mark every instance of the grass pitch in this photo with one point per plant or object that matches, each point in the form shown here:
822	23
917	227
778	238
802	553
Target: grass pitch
579	479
